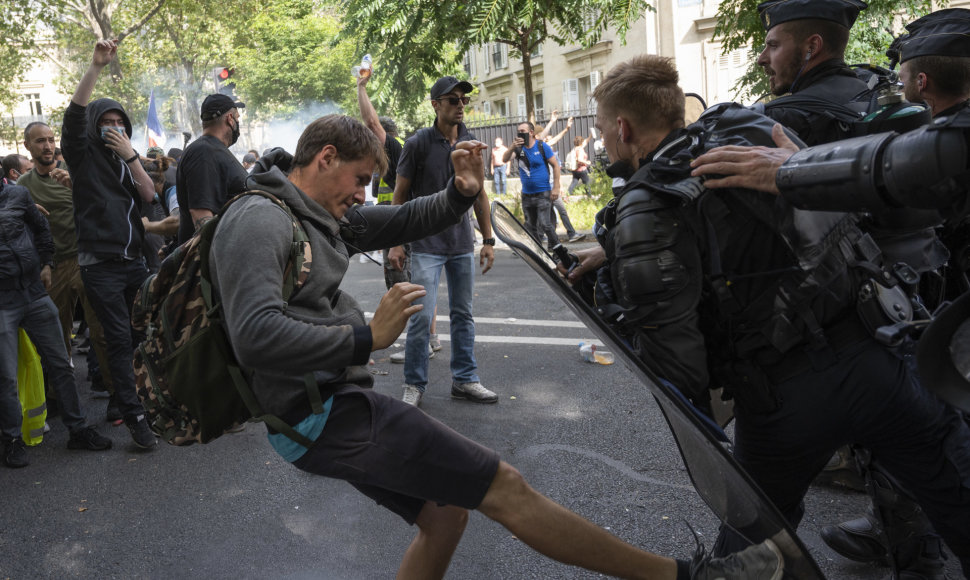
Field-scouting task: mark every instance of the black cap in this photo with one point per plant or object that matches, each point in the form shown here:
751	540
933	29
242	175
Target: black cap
844	12
216	106
943	354
941	33
249	158
445	85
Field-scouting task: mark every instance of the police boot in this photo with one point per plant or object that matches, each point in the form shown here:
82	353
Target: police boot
860	540
916	552
920	558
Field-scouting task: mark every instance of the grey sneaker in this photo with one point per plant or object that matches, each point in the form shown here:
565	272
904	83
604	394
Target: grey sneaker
759	562
473	392
141	433
434	343
576	237
398	357
412	395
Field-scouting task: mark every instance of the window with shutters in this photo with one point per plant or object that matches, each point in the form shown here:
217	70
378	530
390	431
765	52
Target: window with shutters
500	55
594	80
570	96
730	68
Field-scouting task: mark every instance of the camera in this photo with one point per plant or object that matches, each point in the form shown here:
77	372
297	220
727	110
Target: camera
524	137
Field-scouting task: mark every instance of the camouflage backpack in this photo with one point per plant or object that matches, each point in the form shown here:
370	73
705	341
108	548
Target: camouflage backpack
186	374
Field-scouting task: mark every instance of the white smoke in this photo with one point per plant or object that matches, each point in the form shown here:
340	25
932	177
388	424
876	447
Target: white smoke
281	132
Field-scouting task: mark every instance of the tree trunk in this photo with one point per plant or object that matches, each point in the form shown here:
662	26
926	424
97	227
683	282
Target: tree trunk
527	77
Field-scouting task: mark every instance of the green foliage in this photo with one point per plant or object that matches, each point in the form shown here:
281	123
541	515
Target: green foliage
739	26
582	208
418	40
294	46
18	44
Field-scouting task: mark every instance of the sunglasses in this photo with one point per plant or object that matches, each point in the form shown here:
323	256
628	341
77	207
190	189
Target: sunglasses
453	101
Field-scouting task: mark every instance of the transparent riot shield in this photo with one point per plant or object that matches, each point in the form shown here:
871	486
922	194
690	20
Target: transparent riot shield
719	480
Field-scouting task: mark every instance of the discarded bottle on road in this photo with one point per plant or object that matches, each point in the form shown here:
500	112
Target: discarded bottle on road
591	355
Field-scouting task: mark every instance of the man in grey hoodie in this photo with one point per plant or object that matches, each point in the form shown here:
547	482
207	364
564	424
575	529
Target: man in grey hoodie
391	451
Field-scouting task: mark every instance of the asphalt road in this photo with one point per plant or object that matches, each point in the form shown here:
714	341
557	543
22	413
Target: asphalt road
590	437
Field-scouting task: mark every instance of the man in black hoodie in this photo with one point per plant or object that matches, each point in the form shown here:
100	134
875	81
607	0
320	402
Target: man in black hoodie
109	187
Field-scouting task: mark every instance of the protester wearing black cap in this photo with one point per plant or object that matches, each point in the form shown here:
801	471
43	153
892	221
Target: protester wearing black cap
424	168
208	173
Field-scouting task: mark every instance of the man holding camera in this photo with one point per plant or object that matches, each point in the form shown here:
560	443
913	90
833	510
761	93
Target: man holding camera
535	158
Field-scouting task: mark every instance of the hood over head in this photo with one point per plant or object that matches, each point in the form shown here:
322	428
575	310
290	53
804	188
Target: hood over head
99	107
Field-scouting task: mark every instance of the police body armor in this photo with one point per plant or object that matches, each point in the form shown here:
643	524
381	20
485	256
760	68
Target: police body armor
766	277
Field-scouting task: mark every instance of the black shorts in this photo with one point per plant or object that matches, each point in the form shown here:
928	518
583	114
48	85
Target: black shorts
399	456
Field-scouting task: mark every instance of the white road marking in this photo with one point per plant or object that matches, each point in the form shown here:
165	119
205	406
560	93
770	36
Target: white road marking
506	339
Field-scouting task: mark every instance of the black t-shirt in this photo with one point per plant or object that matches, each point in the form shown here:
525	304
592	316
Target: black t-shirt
433	177
208	175
392	148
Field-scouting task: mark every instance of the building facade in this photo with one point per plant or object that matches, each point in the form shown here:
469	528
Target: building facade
564	77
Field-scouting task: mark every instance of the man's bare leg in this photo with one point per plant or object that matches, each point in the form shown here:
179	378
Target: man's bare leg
562	535
439	530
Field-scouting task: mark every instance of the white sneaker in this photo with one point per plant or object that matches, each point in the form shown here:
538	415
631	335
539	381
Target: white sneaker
398	357
474	392
435	343
412	395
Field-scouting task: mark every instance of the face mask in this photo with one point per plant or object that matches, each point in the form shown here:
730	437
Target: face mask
104	131
235	134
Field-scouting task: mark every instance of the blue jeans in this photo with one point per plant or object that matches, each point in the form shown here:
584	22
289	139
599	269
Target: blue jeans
460	272
537	208
111	287
499	177
39	319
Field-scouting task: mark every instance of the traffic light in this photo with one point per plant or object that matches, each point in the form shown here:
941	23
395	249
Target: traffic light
223	80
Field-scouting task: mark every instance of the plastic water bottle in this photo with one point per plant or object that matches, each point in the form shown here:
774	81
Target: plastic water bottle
603	357
365	68
591	355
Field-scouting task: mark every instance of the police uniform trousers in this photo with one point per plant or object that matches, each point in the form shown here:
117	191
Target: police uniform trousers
868	396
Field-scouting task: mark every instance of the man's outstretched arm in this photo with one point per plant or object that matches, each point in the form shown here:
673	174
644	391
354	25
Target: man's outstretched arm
367	112
104	52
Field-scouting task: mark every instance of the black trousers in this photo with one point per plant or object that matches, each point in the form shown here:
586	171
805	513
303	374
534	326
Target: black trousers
111	287
868	397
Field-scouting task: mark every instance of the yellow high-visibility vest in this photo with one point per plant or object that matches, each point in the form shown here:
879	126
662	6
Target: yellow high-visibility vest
385	193
30	389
